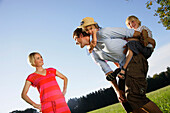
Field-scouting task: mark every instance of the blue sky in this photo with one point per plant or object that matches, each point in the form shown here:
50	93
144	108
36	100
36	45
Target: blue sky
46	26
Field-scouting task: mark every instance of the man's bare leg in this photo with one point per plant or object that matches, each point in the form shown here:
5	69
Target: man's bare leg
151	107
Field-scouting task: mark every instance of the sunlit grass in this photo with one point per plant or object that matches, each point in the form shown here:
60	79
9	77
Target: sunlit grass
161	97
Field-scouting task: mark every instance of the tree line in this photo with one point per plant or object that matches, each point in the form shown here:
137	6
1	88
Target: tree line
107	96
29	110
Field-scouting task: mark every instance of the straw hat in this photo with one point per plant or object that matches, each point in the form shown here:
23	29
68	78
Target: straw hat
86	22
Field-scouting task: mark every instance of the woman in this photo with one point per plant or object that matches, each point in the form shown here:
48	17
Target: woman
51	97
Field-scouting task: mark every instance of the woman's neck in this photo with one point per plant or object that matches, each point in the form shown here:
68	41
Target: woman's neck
39	69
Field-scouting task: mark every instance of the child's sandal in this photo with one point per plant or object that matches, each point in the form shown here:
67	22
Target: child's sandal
112	76
121	75
123	68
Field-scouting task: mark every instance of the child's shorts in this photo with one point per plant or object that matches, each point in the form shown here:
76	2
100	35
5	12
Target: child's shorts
137	48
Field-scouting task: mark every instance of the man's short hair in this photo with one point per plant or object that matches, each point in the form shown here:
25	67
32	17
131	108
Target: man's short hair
78	31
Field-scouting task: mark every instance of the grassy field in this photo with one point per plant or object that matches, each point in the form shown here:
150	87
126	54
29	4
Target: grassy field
161	97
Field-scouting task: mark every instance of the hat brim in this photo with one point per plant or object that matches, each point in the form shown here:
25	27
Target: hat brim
84	25
79	26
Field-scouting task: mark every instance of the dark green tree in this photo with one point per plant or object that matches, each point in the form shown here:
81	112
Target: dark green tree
28	110
163	11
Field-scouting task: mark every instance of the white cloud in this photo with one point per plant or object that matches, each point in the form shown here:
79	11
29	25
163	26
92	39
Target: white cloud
159	60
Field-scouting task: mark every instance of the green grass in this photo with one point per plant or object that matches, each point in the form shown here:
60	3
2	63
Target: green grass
160	97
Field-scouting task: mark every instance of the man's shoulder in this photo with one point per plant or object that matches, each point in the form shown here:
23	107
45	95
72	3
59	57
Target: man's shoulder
105	30
143	27
112	29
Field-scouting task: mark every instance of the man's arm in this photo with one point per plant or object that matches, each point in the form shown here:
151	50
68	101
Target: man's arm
102	63
107	70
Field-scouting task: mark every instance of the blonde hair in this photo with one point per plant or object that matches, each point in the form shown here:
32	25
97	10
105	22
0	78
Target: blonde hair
132	17
31	58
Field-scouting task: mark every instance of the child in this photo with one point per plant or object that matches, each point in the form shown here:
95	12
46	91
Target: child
133	22
144	45
51	97
90	27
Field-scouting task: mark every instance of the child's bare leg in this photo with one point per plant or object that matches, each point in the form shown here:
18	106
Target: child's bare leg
128	58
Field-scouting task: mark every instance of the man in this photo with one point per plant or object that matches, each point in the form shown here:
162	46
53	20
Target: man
110	47
111	50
